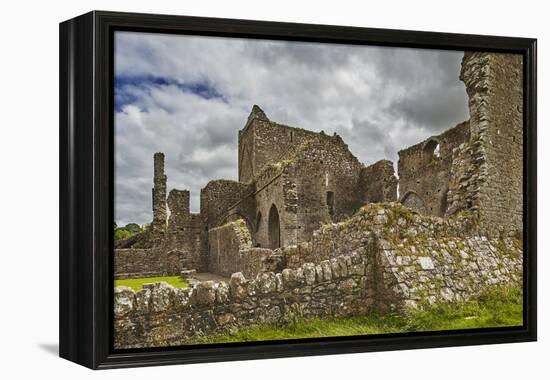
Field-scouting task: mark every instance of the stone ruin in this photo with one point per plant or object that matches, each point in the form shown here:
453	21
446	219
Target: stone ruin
308	230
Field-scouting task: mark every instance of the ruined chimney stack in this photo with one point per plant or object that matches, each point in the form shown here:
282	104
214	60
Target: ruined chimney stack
159	193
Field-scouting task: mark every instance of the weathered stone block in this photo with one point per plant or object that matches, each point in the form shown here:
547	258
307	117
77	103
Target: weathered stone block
161	296
347	286
205	293
426	263
266	282
222	292
124	301
309	273
327	271
237	285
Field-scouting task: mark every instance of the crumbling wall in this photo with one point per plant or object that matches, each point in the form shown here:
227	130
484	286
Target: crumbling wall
418	259
263	142
178	204
377	183
231	251
494	83
152	262
322	177
396	260
424	170
186	241
219	196
417	273
184	230
161	315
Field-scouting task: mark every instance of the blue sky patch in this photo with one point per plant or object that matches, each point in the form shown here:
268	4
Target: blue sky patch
145	83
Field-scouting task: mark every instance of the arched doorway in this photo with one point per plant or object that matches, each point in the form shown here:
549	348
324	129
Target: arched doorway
274	228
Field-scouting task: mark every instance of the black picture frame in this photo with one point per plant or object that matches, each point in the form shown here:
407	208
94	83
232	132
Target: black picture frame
86	188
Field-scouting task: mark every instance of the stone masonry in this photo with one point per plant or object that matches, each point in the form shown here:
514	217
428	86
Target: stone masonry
396	259
308	230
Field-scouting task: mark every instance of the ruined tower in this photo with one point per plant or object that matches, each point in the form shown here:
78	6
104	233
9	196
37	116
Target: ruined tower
159	193
494	83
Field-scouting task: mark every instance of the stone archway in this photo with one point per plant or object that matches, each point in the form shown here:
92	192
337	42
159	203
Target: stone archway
414	202
274	228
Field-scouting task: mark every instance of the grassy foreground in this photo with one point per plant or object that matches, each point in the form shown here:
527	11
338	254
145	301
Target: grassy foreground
137	283
499	307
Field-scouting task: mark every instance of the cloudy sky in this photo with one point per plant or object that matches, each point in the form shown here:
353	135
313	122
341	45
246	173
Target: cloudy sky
188	96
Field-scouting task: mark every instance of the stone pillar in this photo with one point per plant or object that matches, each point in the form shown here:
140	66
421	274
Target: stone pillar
159	193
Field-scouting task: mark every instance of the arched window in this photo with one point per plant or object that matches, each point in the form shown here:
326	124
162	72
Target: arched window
274	228
431	151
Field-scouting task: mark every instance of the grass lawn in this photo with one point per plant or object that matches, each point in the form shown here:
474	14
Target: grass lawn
497	308
137	283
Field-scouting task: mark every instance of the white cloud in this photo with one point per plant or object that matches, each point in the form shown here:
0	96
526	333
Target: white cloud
188	97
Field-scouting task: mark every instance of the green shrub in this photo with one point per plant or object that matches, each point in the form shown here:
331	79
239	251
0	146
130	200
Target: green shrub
123	233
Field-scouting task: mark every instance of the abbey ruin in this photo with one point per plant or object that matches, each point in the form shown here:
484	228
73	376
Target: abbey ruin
308	230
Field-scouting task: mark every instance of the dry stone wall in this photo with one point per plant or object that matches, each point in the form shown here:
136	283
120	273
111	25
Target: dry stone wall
395	259
418	259
160	315
444	270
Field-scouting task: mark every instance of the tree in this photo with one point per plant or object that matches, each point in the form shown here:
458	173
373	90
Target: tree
133	227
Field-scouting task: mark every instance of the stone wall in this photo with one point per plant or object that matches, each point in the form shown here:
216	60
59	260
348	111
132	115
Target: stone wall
231	251
152	262
395	260
224	246
424	170
436	259
272	216
219	196
263	142
161	315
444	270
466	173
178	204
325	174
494	83
378	183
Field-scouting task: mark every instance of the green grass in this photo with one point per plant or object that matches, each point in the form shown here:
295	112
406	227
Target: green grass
499	307
137	283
